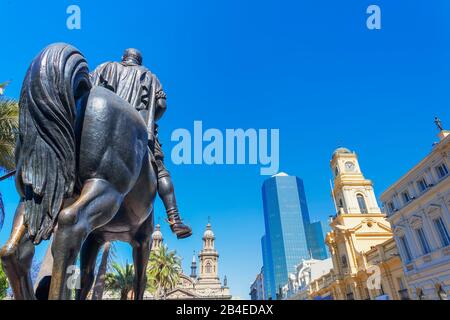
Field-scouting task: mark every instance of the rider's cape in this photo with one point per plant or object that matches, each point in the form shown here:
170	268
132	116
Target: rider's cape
131	82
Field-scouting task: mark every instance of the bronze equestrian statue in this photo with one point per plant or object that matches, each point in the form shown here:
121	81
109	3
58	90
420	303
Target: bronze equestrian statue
84	171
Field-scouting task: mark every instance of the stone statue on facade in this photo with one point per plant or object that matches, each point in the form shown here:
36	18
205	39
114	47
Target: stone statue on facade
438	123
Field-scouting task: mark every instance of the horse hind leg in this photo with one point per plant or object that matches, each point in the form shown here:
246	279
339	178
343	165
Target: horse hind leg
141	254
17	256
97	205
88	259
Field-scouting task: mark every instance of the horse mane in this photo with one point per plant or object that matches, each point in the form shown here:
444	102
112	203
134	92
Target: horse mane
46	153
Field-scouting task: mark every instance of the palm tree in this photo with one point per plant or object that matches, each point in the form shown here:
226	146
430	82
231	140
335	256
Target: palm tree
105	264
121	279
9	125
163	271
3	284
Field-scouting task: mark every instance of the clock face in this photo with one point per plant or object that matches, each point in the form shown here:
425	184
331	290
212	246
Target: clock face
349	166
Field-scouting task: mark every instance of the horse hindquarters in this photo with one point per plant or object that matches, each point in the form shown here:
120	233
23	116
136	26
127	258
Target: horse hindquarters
113	141
111	154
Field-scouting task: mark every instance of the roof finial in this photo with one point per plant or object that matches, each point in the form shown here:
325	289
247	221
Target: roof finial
438	123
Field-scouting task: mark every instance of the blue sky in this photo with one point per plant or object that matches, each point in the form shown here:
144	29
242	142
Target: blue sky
309	68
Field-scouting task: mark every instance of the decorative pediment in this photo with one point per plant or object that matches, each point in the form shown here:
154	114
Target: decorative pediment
415	221
370	225
399	231
185	282
433	210
179	293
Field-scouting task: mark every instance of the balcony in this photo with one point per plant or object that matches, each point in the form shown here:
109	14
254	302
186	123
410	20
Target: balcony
403	294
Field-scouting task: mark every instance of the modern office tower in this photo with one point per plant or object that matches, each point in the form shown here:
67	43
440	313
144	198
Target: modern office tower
316	241
289	236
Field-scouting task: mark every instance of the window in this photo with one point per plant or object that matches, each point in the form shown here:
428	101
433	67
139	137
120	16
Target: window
361	203
422	185
208	267
344	261
442	230
423	241
406	197
391	206
336	171
350	293
441	170
402	290
341	204
401	284
405	247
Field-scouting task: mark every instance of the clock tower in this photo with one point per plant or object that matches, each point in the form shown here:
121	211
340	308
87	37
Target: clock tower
358	227
352	192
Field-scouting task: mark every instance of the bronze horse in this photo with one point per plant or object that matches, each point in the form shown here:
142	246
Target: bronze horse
83	175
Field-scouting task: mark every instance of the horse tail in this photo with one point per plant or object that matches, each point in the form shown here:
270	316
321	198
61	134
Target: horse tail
46	152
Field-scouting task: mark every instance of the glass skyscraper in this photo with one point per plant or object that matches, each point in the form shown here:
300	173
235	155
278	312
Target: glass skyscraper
289	237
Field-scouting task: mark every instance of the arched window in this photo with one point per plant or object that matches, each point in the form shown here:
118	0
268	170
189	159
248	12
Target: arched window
208	267
344	261
361	203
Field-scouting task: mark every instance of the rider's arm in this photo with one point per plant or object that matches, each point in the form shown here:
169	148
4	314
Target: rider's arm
161	105
160	99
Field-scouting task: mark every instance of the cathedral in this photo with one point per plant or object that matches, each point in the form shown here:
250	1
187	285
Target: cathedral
204	284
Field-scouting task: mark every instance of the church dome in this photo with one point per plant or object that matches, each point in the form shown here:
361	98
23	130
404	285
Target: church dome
157	234
208	232
341	150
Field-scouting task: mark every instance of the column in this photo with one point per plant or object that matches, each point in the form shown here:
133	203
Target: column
393	292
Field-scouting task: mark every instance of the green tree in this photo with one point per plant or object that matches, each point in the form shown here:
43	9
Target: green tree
9	125
121	279
3	283
163	271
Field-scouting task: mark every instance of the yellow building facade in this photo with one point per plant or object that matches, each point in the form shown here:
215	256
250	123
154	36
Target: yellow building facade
366	263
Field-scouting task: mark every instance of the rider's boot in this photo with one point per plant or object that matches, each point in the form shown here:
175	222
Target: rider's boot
176	224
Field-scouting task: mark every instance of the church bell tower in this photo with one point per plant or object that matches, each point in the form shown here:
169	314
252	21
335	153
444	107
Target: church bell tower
208	257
